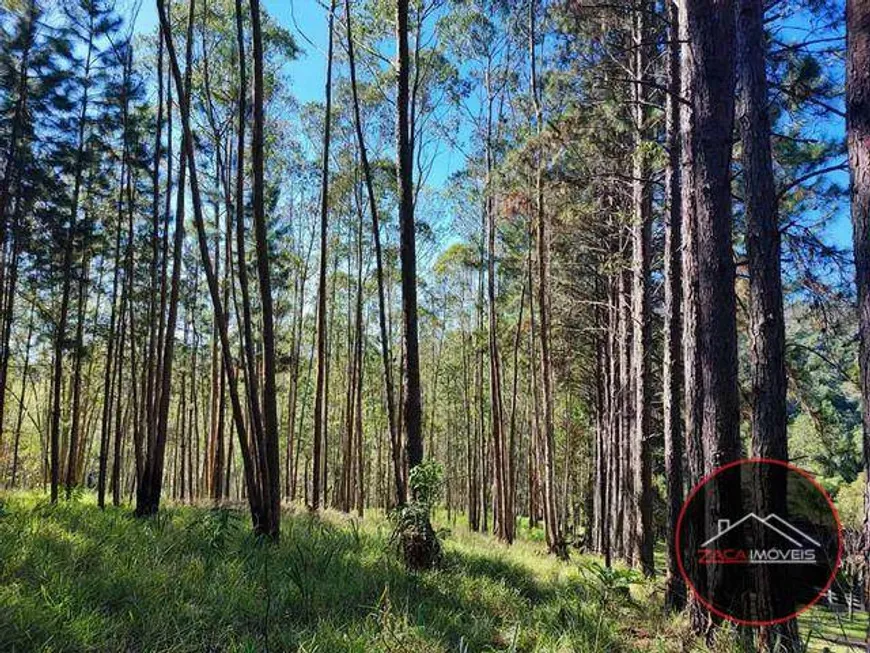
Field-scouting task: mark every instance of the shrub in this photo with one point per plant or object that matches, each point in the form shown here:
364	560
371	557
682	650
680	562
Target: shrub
414	536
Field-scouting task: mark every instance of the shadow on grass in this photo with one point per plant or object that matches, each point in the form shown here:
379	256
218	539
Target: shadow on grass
73	577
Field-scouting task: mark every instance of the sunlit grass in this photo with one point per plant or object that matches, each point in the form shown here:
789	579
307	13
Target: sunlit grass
74	578
834	631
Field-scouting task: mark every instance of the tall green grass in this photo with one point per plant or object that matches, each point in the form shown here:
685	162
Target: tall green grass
75	578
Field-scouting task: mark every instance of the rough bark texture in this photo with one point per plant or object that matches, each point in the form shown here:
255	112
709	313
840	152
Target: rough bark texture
672	364
271	486
858	139
320	378
710	26
407	247
766	320
642	546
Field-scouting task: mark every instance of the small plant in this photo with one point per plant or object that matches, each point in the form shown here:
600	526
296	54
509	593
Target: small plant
426	481
611	582
219	525
413	534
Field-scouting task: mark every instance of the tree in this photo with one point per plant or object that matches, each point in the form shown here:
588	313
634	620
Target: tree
386	354
411	410
711	316
555	541
858	140
320	401
766	320
271	486
641	237
91	22
672	364
151	484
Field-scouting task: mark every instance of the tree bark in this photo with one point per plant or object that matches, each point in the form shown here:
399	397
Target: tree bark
641	302
60	330
555	541
271	481
386	353
148	497
858	141
407	247
672	365
766	319
217	305
320	401
710	50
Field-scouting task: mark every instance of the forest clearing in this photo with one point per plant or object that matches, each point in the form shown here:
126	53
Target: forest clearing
525	325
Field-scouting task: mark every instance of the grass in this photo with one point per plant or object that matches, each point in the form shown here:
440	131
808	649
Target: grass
75	578
833	631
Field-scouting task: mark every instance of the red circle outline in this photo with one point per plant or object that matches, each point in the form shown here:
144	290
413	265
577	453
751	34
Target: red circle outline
706	479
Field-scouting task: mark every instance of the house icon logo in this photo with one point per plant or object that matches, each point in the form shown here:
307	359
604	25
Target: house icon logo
758	541
787	544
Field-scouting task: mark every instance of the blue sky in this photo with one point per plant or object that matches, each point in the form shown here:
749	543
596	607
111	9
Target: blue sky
307	73
306	19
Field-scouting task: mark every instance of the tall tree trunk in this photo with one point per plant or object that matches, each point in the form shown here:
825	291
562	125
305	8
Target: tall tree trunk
320	400
407	247
766	320
555	541
75	421
8	308
115	483
16	438
63	315
502	517
253	496
148	498
642	547
711	44
858	140
271	482
672	365
386	352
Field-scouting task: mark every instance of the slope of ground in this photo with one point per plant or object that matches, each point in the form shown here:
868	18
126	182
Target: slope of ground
74	578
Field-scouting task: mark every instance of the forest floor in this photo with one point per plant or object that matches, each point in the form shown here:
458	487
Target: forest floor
75	578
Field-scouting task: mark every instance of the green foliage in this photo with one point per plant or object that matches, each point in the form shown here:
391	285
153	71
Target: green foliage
610	581
426	482
413	534
850	503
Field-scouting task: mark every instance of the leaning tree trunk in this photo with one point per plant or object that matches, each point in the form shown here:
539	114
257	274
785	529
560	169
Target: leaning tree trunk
253	494
386	356
148	496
